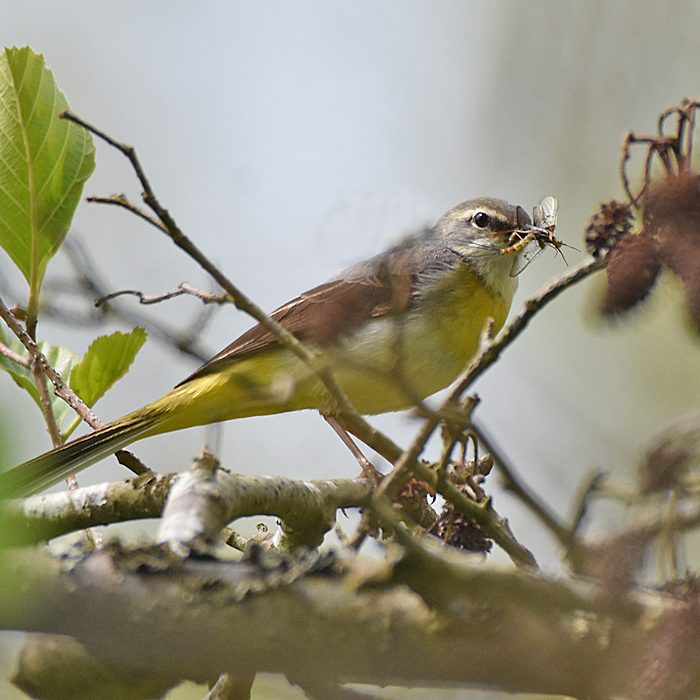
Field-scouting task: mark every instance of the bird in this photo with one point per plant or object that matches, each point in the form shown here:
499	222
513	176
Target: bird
394	329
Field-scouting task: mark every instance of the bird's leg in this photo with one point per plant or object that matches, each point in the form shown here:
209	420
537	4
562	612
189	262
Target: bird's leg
368	469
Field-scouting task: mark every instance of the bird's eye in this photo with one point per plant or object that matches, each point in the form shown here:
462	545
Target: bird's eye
481	219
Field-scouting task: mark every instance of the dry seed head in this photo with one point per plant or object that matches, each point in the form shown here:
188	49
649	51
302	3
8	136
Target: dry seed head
633	266
455	530
607	226
672	199
672	217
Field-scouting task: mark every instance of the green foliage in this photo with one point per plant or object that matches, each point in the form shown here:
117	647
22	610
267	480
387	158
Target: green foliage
60	358
106	361
44	163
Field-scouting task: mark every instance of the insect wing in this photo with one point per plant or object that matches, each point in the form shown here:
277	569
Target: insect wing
546	213
528	254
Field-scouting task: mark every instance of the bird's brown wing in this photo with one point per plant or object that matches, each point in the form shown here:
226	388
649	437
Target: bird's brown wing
380	286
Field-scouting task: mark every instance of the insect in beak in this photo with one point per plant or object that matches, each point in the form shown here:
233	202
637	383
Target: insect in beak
544	216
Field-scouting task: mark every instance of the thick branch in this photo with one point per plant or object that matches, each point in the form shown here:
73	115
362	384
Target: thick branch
129	609
204	500
306	507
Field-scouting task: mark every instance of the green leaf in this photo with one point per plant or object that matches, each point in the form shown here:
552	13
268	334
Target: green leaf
106	361
44	163
60	358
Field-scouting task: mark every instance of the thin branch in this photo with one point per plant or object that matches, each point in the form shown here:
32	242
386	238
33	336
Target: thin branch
442	575
45	404
15	357
132	463
516	486
490	523
588	488
481	513
91	281
61	388
491	350
184	288
41	369
121	200
404	466
622	165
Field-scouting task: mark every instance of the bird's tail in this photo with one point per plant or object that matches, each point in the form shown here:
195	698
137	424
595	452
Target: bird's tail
48	469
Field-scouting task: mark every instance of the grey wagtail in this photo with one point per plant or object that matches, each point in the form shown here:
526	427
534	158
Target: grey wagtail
395	329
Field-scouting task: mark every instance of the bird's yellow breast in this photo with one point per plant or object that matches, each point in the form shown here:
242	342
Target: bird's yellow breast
410	357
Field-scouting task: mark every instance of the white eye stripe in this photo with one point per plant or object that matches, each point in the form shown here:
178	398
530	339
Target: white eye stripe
471	213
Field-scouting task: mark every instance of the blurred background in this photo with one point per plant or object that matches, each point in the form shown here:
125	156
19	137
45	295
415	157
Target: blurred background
290	140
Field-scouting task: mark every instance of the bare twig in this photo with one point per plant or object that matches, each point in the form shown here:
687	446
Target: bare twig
91	280
45	403
121	200
132	462
404	466
489	522
61	388
481	513
589	487
443	574
14	356
184	288
492	350
674	150
41	369
514	484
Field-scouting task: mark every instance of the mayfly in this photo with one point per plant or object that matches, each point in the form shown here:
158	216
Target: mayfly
544	217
